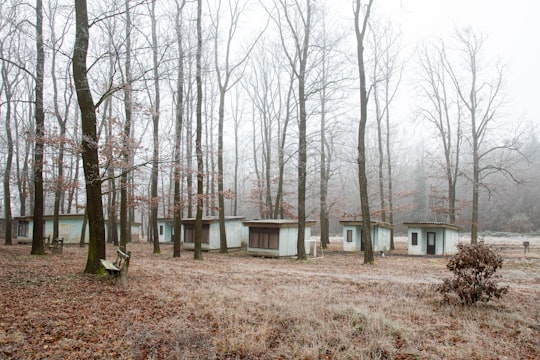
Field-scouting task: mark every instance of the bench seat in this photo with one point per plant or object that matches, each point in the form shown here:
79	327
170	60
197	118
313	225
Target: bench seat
119	266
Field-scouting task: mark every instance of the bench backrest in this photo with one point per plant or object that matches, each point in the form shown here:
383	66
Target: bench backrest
121	257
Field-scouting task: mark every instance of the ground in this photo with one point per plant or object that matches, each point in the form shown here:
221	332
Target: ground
234	306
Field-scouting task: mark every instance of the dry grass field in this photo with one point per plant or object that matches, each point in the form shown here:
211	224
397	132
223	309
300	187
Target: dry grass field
236	306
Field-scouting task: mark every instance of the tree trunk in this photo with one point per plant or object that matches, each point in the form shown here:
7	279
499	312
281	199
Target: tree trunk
197	254
112	231
323	216
38	247
177	218
154	199
476	191
74	172
221	198
278	208
302	141
362	173
389	176
380	168
9	158
126	137
89	145
83	228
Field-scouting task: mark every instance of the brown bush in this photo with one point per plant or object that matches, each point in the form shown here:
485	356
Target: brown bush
474	268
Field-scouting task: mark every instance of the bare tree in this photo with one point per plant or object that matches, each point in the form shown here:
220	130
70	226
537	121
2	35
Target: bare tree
329	84
197	254
385	69
178	131
56	42
270	87
125	221
360	32
89	145
443	111
7	89
37	236
297	55
154	199
482	98
224	72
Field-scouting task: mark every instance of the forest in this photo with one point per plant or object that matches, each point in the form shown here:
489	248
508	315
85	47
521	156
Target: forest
266	109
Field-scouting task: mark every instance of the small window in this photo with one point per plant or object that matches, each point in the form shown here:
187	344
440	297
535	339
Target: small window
414	238
160	229
349	236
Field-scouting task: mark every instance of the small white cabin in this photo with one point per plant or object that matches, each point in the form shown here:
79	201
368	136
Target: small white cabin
210	233
276	237
69	228
352	235
432	238
165	230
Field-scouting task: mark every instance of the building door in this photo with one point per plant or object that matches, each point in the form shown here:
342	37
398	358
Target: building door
431	243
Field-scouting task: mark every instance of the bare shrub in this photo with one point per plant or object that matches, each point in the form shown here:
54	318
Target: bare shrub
474	268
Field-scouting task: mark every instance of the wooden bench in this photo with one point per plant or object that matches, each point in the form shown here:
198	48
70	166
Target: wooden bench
120	266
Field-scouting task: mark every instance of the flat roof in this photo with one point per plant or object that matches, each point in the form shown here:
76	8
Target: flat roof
356	221
211	219
276	223
432	224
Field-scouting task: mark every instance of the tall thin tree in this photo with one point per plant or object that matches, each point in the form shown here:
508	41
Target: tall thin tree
125	223
154	199
177	218
89	145
38	247
197	254
360	26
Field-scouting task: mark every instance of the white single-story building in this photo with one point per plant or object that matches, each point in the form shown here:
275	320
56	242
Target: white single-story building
432	238
236	234
69	228
352	235
165	230
276	237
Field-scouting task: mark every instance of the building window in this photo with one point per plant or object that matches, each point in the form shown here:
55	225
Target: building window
414	238
22	229
160	229
349	235
264	238
189	233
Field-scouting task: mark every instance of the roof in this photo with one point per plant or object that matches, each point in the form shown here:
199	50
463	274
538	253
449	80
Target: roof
205	219
432	224
212	219
61	217
50	217
276	223
358	221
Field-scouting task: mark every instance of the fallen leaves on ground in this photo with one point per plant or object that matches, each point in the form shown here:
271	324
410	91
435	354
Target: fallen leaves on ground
235	306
